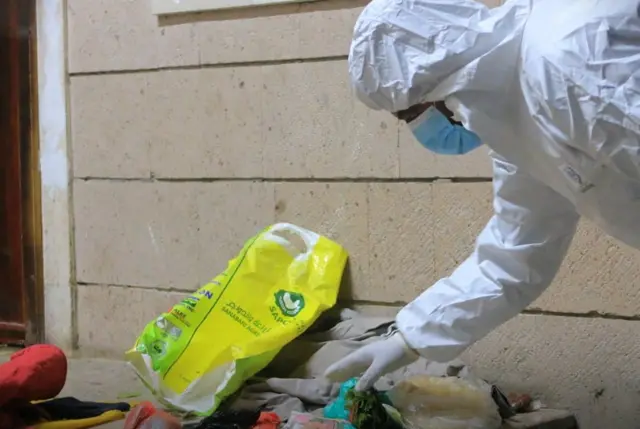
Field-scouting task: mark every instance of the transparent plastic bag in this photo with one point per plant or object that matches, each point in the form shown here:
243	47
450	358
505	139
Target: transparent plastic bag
445	403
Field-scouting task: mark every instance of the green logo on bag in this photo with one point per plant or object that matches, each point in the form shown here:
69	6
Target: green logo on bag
158	348
290	303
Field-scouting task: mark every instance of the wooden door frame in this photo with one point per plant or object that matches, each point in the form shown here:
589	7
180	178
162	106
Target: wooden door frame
32	199
26	196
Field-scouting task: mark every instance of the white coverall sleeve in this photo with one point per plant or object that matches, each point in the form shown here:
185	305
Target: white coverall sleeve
516	257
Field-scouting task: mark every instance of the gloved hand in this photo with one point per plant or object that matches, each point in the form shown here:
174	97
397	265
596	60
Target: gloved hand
375	360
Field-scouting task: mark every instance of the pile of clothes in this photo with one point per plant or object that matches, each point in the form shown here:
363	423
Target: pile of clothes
293	386
238	420
29	381
290	393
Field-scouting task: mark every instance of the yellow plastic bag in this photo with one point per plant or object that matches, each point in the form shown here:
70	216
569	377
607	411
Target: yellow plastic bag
208	345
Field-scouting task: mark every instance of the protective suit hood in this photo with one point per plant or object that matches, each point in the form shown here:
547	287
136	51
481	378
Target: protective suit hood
405	52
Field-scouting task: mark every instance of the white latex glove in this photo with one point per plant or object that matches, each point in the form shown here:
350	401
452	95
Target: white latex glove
375	360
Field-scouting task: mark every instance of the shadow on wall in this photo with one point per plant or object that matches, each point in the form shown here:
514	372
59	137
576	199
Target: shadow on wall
346	286
259	12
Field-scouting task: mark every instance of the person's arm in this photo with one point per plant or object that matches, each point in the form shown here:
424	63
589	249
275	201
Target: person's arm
516	258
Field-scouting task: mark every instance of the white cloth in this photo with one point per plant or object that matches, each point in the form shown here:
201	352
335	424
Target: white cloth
553	88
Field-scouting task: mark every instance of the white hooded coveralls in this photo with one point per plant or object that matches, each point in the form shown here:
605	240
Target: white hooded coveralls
552	87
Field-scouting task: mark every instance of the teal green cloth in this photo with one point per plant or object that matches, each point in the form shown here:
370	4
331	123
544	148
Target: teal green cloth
338	409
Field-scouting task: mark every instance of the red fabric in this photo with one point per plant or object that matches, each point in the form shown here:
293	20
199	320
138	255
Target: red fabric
32	374
139	413
267	421
146	416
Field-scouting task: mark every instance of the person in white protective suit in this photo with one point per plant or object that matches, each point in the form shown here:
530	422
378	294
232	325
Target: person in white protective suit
553	88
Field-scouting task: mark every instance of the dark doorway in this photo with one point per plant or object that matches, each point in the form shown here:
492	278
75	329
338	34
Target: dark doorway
21	284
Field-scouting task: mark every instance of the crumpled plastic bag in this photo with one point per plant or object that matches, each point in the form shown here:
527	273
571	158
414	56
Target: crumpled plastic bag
445	403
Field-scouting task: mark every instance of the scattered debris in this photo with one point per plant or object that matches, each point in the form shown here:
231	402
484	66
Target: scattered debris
309	421
520	402
367	411
228	420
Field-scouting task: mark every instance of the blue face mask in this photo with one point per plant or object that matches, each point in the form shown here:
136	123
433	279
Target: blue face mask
434	131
